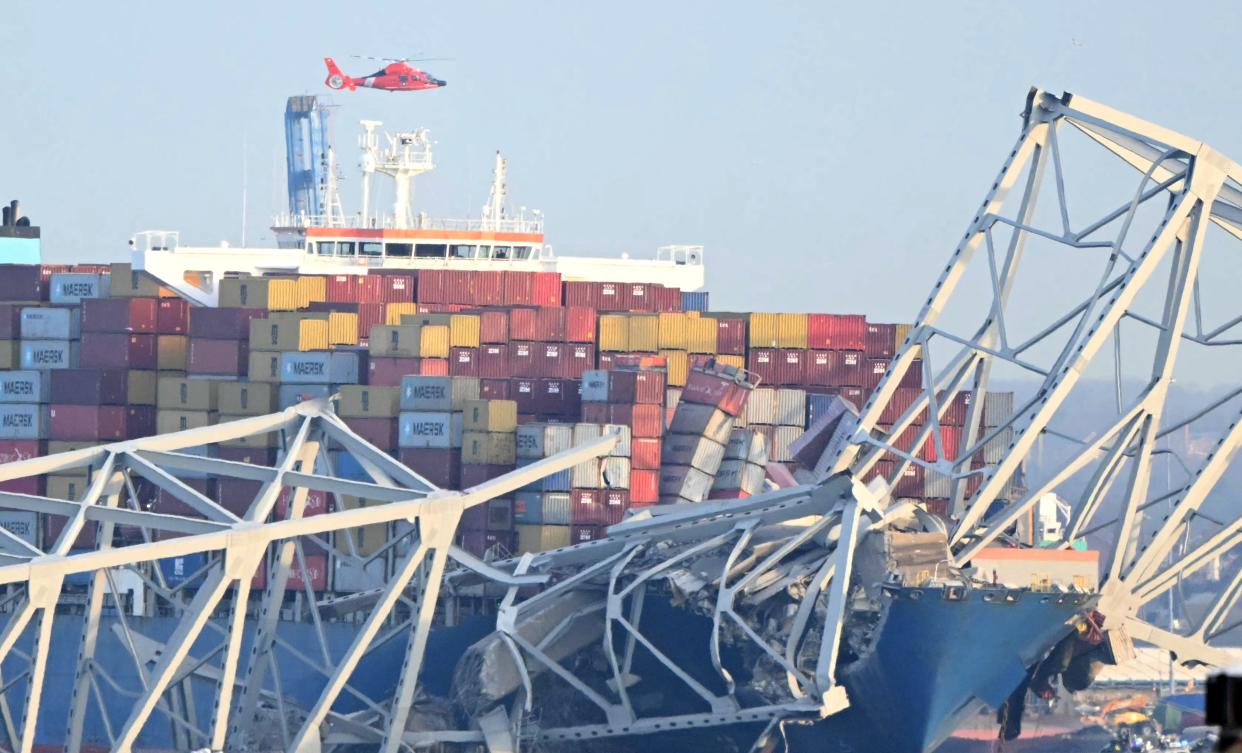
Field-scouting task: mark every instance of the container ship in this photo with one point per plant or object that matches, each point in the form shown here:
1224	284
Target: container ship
466	350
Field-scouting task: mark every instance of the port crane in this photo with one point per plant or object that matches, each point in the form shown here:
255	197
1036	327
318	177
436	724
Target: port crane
1142	264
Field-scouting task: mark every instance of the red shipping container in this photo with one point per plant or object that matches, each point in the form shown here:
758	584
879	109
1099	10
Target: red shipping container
433	367
595	413
610	296
525	393
550	361
580	294
442	308
316	570
645	453
519	288
638	296
459	286
762	363
524	324
644	487
388	286
819	331
856	395
911	482
493	361
492	388
580	324
849	369
790	367
388	371
252	455
522	361
578	358
218	357
821	366
463	362
666	299
343	288
954	414
585	507
950	438
114	350
431	286
489	288
550	324
847	332
222	324
719	390
316	503
89	386
644	420
370	315
615	502
87	422
547	289
494	326
441	467
899	403
875	370
139	421
731	337
173	317
878	342
582	534
626	386
116	315
13	450
379	431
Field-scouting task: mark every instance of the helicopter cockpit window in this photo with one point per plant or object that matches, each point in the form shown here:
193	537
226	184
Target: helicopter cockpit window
403	79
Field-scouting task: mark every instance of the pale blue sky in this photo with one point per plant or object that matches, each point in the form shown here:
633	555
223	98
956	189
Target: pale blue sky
827	155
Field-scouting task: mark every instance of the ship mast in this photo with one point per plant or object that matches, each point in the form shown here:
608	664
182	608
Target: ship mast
494	209
408	154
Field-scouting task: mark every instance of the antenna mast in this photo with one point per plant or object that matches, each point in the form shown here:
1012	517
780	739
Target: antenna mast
497	198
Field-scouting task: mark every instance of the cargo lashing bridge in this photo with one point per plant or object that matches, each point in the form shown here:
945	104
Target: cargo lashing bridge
729	557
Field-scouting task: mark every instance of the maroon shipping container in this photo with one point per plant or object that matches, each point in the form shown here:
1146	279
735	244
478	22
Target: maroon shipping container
173	317
431	286
910	484
900	401
645	453
251	455
342	288
731	337
819	331
614	503
849	369
581	534
718	390
223	323
524	324
316	503
493	361
218	357
519	288
473	518
856	395
387	287
547	289
821	366
115	350
36	485
585	507
387	372
667	299
87	422
580	324
522	360
479	542
595	413
878	342
493	388
525	393
473	474
847	332
233	494
494	326
167	504
381	432
578	357
441	467
762	362
913	376
463	361
459	287
433	367
790	367
636	386
638	296
875	370
555	398
370	315
139	421
950	438
549	360
13	450
119	315
550	323
54	524
954	414
644	420
489	288
316	570
89	386
23	282
580	294
610	296
11	321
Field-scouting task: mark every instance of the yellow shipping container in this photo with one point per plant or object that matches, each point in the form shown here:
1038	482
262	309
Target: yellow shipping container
537	539
313	334
735	361
342	328
902	331
791	331
701	334
464	331
674	334
394	311
364	540
434	342
170	352
763	330
614	332
678	367
644	333
282	295
311	289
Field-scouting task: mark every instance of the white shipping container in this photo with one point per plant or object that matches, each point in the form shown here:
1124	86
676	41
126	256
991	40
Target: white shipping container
692	450
935	485
350	576
324	367
996	448
555	507
23	421
50	323
594	386
997	408
24	386
740	475
690	484
782	438
49	354
439	429
584	433
761	407
23	525
622	448
543	440
748	445
615	473
672	396
703	420
71	287
790	407
586	475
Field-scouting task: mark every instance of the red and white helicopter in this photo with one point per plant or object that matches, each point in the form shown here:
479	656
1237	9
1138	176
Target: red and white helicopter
396	76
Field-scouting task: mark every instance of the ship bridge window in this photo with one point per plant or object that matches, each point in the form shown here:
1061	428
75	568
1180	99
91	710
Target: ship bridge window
431	250
462	252
326	248
399	250
522	252
370	249
502	252
485	252
345	248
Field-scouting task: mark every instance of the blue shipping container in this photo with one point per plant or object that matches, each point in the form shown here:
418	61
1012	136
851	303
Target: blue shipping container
557	482
694	301
179	570
816	405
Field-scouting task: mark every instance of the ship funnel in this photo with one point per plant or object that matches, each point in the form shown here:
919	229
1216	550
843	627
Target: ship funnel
5	221
15	211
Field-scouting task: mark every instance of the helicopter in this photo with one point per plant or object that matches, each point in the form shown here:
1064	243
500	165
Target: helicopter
397	75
